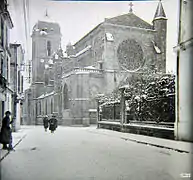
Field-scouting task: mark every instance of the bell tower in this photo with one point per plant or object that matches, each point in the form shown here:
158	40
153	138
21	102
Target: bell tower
46	39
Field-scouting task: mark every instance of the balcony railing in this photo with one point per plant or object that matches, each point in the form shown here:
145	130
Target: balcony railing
3	82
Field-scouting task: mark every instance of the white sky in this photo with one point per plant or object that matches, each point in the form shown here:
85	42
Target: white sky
77	18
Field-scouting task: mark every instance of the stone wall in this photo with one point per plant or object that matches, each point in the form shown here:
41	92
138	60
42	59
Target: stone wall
82	85
95	39
144	38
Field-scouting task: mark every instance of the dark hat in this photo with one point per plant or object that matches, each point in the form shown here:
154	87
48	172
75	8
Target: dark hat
7	112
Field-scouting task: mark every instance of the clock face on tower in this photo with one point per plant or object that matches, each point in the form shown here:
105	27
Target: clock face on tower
130	54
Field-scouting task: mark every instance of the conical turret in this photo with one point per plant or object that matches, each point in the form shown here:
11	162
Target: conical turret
160	25
160	13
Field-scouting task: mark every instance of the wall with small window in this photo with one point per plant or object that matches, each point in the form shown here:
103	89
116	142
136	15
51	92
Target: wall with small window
49	48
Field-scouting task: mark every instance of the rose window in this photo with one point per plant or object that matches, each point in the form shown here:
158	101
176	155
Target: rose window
130	54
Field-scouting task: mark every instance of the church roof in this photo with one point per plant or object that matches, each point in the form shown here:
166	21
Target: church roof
47	24
129	19
160	13
48	27
44	24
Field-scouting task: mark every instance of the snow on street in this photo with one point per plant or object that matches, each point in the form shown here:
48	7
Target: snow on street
79	153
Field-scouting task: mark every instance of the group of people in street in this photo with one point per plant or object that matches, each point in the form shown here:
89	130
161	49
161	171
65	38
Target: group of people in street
6	132
52	123
6	129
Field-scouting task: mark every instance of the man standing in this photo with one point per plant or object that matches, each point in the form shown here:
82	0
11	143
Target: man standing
46	122
6	132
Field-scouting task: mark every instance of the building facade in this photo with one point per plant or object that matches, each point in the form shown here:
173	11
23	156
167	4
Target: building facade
16	82
5	90
184	50
98	63
46	39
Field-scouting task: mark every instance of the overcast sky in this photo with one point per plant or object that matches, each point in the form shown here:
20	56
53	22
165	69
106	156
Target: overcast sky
77	18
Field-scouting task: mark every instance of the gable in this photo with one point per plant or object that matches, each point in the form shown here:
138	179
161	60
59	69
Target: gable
129	19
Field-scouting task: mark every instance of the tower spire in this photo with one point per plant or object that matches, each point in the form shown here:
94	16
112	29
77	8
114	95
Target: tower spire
160	13
47	17
130	7
46	13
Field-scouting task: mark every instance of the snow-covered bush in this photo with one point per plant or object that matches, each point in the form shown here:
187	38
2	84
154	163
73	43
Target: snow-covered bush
152	98
149	97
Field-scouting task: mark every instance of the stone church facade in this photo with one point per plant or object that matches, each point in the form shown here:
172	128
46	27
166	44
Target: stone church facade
96	64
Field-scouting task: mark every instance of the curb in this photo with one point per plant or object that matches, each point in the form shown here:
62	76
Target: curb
155	145
147	143
13	147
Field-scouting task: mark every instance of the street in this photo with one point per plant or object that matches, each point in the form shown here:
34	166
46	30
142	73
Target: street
85	153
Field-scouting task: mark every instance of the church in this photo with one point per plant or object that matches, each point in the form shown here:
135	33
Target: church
66	83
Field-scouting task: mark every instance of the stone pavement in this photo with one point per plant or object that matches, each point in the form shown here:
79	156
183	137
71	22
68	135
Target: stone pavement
79	153
17	138
180	146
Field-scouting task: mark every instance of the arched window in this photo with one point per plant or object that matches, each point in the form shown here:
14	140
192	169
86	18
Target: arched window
40	107
48	48
65	97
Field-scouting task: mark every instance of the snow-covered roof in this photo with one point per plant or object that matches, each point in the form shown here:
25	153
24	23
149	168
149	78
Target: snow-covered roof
92	110
40	97
90	67
82	51
82	72
45	95
49	94
110	102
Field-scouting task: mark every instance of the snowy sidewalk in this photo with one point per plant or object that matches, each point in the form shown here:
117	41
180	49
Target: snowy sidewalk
179	146
17	138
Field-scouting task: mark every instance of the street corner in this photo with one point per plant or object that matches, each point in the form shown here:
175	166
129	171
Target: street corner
4	153
17	138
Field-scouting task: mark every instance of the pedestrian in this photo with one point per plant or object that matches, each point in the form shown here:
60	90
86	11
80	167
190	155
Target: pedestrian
53	124
6	132
46	122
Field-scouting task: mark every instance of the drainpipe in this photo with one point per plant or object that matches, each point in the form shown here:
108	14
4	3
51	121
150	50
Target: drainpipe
15	89
177	71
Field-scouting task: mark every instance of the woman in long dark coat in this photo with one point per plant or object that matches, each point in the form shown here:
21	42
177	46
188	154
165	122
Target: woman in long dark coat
53	124
6	132
46	122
